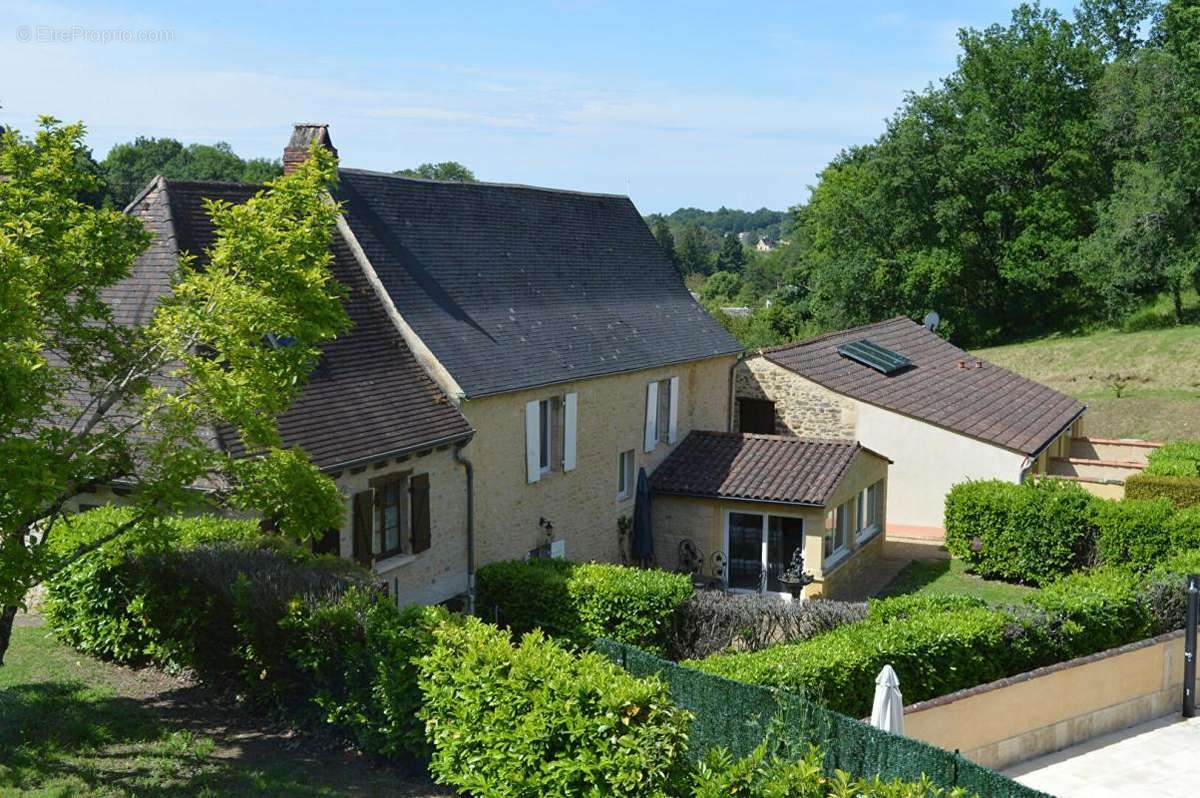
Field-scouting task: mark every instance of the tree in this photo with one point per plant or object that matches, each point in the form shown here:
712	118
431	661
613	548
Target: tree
666	241
129	167
1115	26
732	255
721	288
693	251
449	171
86	401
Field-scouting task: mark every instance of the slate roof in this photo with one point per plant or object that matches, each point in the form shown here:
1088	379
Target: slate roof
515	287
751	467
368	396
982	401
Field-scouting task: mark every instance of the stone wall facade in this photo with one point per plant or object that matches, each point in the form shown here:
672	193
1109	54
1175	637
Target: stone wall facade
802	407
582	505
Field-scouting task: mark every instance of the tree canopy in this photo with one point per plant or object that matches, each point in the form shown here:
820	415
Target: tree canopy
450	171
87	401
129	167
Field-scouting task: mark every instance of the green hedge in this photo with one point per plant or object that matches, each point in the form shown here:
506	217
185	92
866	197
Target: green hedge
106	605
1178	459
536	719
1032	533
939	645
1133	533
581	602
1182	491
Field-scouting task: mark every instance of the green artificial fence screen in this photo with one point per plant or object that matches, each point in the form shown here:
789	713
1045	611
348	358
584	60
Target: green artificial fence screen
737	716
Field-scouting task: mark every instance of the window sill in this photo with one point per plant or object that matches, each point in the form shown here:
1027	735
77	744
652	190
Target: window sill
867	535
394	561
834	561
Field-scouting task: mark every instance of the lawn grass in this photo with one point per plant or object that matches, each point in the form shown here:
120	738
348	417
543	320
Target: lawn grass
73	726
950	577
1155	372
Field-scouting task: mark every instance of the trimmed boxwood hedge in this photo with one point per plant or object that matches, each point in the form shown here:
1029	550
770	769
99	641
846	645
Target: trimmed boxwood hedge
1031	532
1182	491
582	601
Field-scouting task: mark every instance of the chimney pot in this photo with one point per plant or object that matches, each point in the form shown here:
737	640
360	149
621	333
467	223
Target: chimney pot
303	135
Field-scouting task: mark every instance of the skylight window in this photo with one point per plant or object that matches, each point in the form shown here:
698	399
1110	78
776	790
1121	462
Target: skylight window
871	354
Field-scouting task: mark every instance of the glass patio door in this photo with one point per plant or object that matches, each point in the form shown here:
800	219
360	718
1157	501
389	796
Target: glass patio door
759	548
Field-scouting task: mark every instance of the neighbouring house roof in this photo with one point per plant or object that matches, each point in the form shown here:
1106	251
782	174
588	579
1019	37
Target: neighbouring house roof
751	467
514	287
944	385
368	397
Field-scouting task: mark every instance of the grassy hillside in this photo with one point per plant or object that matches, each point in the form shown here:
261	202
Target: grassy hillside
1138	385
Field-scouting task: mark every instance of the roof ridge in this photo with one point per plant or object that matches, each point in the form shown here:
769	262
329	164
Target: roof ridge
483	183
170	181
831	334
765	436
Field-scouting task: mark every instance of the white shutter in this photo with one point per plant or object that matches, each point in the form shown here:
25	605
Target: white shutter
651	416
673	426
570	403
533	441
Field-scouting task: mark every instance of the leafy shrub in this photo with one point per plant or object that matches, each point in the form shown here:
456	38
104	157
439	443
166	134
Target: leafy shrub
102	605
712	621
770	775
1031	532
1164	593
1177	459
1184	530
900	607
1133	533
1182	491
360	654
535	719
933	653
580	602
1101	609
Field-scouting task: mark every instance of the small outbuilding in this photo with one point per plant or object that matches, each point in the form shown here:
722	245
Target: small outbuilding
744	503
941	414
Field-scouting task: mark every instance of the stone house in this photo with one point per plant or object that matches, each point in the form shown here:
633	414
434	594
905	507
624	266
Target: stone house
940	414
517	356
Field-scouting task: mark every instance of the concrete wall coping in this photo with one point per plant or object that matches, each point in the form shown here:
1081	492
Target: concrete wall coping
1040	672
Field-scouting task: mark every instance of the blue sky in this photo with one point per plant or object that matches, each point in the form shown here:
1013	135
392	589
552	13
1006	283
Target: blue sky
697	103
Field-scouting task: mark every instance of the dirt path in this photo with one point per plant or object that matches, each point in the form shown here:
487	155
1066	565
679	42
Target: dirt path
243	739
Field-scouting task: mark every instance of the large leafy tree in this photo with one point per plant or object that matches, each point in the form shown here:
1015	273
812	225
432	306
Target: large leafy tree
129	167
86	401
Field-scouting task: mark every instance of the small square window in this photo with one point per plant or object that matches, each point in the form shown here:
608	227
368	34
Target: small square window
625	475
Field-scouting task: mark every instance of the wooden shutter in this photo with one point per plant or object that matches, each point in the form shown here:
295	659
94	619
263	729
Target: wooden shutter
673	419
651	437
533	442
421	533
364	525
570	419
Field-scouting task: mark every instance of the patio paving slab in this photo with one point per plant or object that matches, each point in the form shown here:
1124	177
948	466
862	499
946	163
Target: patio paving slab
1159	758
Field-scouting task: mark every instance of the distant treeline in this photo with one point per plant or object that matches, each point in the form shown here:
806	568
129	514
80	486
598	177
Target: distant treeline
1051	182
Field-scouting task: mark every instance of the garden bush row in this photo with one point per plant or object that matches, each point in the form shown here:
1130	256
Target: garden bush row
939	645
582	601
1177	459
1040	530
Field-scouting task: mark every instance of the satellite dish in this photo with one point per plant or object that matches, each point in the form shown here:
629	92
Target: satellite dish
932	320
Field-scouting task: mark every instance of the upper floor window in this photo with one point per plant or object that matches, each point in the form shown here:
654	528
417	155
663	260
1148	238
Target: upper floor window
550	435
662	412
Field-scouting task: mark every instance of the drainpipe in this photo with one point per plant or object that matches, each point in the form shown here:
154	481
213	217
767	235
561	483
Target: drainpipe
470	469
733	386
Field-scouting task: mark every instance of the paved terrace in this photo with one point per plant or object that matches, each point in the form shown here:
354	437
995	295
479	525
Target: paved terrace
1157	759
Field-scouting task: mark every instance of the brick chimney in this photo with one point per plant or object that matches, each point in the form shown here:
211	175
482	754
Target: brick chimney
303	135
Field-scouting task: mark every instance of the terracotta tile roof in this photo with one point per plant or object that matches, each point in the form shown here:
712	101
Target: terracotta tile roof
515	287
368	395
982	400
750	467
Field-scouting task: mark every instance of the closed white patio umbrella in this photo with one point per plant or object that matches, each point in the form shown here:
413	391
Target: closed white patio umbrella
887	712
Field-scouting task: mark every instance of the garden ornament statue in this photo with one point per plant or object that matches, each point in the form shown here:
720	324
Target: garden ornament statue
794	577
